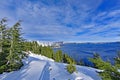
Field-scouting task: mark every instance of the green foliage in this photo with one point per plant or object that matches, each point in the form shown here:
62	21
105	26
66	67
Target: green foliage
47	51
2	59
68	59
110	75
81	62
58	56
15	45
117	60
34	47
71	68
110	72
99	63
27	46
3	42
14	66
2	69
10	47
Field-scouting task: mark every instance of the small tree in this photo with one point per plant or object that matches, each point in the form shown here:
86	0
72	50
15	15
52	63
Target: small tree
81	62
117	60
68	59
71	68
58	56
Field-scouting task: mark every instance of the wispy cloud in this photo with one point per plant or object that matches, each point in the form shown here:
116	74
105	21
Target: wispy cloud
67	20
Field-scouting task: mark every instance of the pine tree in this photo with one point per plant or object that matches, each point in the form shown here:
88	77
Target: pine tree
117	60
65	58
68	59
96	55
15	53
58	56
110	72
71	68
81	62
27	46
3	42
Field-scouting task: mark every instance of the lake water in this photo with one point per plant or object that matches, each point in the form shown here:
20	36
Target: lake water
85	50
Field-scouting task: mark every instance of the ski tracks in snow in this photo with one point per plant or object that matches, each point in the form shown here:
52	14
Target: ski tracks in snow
45	75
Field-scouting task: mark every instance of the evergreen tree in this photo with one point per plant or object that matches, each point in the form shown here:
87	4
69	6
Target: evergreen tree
81	62
27	46
68	59
96	55
3	42
10	47
71	68
50	52
35	47
65	58
117	60
58	56
109	72
15	53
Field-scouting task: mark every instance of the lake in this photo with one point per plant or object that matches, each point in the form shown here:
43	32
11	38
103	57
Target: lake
85	50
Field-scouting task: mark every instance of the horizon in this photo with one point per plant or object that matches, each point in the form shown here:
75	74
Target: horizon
78	41
65	20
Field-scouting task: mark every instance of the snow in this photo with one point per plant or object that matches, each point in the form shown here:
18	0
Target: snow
40	57
118	70
60	73
32	71
78	78
38	67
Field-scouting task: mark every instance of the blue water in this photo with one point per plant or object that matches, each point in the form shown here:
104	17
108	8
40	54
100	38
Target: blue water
85	50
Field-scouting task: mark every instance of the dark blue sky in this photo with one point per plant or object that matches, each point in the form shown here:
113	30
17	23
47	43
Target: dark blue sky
65	20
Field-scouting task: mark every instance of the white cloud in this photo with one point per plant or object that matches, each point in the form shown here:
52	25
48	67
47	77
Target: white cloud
51	20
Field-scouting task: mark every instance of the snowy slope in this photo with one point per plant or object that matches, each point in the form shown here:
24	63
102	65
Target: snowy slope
59	72
37	67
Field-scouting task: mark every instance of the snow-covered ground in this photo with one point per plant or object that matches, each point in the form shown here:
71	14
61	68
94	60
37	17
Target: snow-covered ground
37	67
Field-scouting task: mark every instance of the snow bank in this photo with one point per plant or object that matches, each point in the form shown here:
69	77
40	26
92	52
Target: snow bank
59	72
38	67
31	70
40	57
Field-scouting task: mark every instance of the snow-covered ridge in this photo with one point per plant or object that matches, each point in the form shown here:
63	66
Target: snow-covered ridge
48	43
38	67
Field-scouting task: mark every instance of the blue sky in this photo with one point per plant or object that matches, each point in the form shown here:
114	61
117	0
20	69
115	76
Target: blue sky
65	20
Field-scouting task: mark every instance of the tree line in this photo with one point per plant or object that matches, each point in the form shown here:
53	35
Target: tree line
47	51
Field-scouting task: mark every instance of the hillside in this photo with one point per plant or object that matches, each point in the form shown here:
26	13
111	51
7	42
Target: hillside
37	67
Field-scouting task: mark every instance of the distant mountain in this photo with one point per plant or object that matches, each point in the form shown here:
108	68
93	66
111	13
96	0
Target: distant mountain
52	44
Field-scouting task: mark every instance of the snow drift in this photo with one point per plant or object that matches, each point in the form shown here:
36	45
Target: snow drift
38	67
